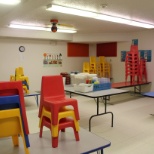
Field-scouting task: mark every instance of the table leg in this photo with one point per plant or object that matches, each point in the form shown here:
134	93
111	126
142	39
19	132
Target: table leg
99	114
137	89
36	98
70	95
100	151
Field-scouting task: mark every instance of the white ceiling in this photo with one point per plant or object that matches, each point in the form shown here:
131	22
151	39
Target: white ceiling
34	11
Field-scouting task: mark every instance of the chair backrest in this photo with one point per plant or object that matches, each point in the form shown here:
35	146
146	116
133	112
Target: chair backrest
9	102
101	59
92	59
19	71
51	86
86	67
19	74
9	88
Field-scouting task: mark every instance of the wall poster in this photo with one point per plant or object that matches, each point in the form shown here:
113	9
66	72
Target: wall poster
52	59
146	54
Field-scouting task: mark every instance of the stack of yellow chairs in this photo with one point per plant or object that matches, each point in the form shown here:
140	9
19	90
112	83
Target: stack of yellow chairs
103	68
19	76
97	66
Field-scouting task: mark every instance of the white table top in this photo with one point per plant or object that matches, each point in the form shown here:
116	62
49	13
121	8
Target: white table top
67	144
95	94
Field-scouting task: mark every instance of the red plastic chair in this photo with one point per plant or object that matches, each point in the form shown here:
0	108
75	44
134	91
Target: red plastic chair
53	106
9	88
53	97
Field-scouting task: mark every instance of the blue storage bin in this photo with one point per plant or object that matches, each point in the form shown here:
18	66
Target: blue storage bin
103	86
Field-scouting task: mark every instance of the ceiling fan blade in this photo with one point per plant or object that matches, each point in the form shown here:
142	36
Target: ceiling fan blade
65	25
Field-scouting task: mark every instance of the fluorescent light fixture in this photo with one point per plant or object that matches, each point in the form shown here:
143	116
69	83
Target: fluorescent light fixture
124	21
140	24
10	2
112	19
67	10
29	27
62	9
66	31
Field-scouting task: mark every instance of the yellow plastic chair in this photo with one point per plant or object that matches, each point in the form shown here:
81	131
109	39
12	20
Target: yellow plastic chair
12	78
11	125
106	70
86	67
19	76
101	59
100	65
93	64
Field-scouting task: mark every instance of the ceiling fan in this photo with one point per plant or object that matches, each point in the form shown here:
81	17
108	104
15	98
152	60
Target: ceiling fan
56	25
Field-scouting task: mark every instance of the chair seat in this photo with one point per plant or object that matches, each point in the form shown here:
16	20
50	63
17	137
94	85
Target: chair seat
56	104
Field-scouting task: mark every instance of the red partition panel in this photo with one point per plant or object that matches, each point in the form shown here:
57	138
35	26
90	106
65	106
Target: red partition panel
77	50
107	49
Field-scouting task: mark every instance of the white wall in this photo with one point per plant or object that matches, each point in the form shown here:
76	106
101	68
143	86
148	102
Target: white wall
33	66
10	58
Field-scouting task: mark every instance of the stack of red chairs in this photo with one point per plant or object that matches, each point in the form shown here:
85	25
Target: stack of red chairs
135	67
132	65
54	112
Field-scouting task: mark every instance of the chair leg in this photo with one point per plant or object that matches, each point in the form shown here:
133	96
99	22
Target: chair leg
54	142
24	142
41	127
62	120
23	137
76	135
41	130
15	140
